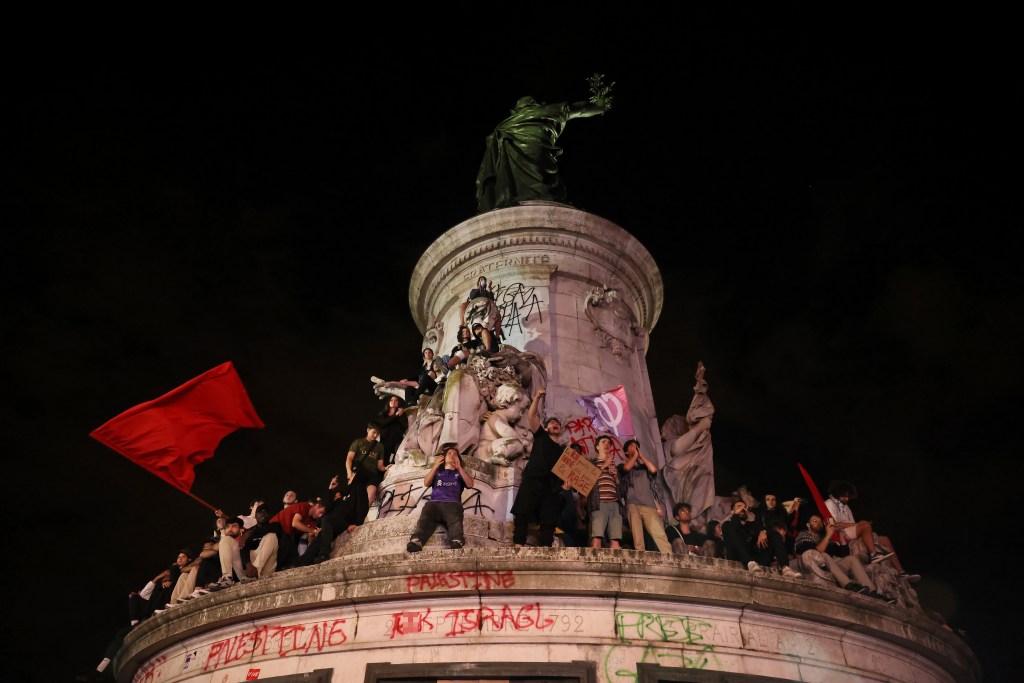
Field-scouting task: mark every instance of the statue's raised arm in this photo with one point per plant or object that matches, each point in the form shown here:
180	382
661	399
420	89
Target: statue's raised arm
521	158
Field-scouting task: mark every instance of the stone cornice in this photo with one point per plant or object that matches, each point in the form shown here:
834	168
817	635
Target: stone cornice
619	574
544	228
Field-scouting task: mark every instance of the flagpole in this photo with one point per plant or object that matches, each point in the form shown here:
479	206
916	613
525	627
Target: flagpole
818	500
197	498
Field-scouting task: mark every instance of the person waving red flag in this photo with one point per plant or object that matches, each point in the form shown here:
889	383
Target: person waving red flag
826	516
172	434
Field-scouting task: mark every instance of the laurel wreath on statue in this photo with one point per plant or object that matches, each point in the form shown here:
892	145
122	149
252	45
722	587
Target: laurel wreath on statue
600	94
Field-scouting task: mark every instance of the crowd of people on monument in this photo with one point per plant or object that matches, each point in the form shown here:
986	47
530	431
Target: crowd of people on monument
627	507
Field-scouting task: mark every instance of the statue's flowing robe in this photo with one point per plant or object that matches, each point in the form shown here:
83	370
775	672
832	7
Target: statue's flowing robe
690	471
521	158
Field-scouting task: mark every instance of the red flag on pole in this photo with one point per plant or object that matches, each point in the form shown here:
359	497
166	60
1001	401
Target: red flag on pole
818	500
170	435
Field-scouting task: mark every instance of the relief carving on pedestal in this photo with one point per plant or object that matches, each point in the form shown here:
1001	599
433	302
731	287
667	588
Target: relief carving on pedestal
434	336
614	322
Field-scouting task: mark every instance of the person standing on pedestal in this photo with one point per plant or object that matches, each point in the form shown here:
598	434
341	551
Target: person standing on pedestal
643	499
538	500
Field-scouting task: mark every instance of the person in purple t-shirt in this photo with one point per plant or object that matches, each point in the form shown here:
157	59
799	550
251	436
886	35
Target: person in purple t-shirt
445	504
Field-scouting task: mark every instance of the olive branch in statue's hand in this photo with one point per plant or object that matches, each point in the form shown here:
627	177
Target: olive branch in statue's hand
600	94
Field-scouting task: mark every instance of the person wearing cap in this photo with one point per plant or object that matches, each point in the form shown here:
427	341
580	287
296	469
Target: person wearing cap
446	480
538	499
294	520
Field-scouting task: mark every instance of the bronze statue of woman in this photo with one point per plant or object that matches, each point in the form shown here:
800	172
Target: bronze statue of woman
521	158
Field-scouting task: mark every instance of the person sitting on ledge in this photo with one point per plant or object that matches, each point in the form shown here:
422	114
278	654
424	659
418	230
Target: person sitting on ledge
816	548
686	540
445	505
879	548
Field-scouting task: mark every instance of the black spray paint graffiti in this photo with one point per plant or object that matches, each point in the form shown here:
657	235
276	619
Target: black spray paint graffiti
404	498
517	303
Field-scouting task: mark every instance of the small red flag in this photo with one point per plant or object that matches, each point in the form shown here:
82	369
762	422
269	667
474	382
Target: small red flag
818	500
170	435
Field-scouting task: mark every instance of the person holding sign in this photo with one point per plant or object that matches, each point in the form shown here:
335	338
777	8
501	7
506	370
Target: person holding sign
572	522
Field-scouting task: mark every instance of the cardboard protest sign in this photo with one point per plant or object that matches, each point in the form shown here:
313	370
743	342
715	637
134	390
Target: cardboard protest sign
577	471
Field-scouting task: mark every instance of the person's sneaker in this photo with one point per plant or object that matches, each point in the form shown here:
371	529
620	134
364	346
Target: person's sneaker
911	578
879	557
159	611
247	579
224	582
197	593
855	587
791	573
414	546
456	545
753	566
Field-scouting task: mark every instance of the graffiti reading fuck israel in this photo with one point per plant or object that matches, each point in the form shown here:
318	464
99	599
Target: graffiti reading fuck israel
277	641
483	619
478	580
517	302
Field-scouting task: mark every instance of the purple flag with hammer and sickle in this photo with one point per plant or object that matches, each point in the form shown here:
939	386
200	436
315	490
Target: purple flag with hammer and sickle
609	412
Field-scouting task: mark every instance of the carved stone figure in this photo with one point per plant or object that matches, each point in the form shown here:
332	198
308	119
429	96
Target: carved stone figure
690	471
384	388
482	401
463	405
499	440
614	322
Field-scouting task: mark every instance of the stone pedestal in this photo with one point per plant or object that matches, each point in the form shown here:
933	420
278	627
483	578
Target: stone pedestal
583	294
572	287
611	613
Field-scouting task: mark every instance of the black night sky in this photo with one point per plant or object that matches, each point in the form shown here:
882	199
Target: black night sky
831	210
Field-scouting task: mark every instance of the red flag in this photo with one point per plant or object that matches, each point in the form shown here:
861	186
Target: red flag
818	500
609	411
170	435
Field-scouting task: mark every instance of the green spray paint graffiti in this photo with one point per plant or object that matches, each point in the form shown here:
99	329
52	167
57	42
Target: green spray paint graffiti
685	634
